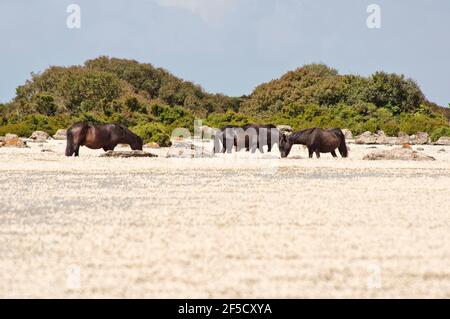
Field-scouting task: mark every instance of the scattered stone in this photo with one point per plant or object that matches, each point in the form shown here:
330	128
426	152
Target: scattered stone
406	145
371	147
402	138
152	145
183	144
399	153
443	140
391	140
39	136
441	150
10	136
366	138
383	139
420	138
187	153
46	150
285	129
380	137
420	149
188	149
11	141
126	154
347	133
60	134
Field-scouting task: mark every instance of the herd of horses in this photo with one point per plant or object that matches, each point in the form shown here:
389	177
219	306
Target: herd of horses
252	137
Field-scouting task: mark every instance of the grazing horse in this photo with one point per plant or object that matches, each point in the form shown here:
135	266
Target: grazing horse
250	136
317	141
105	136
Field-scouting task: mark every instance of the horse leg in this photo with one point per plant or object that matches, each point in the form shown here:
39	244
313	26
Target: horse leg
77	150
261	148
333	153
310	152
109	148
317	153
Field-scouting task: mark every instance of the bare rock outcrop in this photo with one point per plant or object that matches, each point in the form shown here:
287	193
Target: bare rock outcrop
60	134
383	139
347	133
152	145
402	138
12	140
126	154
188	149
420	138
443	140
399	153
366	138
39	136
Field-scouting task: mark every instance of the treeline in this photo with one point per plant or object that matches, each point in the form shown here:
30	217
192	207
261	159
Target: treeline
152	102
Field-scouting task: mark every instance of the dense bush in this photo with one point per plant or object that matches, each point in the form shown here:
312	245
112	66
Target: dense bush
229	118
156	83
439	132
20	129
153	132
155	102
321	85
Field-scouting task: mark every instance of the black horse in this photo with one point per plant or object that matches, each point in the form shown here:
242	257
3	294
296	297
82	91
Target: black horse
250	137
317	141
105	136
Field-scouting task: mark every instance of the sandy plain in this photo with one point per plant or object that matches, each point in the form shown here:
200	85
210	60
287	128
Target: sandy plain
230	226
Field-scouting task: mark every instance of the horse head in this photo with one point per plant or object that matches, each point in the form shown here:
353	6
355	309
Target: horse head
137	143
284	145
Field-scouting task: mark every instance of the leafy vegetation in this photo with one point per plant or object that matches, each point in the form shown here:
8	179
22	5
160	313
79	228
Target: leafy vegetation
153	102
316	95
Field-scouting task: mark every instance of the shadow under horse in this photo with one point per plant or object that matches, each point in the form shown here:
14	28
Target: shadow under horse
317	141
105	136
250	136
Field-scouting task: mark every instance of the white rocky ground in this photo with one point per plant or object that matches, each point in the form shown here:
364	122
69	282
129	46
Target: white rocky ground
228	226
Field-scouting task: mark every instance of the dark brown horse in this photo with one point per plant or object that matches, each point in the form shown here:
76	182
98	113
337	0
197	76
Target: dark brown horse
317	141
105	136
250	137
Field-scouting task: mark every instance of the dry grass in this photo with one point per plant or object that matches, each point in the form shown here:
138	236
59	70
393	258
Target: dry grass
223	227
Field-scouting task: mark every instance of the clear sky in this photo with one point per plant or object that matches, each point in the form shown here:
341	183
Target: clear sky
230	46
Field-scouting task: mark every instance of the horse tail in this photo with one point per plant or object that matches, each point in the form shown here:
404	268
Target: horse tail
342	145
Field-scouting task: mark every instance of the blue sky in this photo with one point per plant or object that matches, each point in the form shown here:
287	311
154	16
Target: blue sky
230	46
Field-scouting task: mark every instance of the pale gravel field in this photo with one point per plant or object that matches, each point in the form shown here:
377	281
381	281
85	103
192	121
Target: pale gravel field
229	226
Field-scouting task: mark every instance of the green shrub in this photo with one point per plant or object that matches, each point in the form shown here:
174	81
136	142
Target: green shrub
439	132
153	132
229	118
45	104
413	123
390	127
20	129
371	125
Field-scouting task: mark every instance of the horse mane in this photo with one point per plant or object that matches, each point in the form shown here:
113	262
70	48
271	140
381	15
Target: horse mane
298	134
